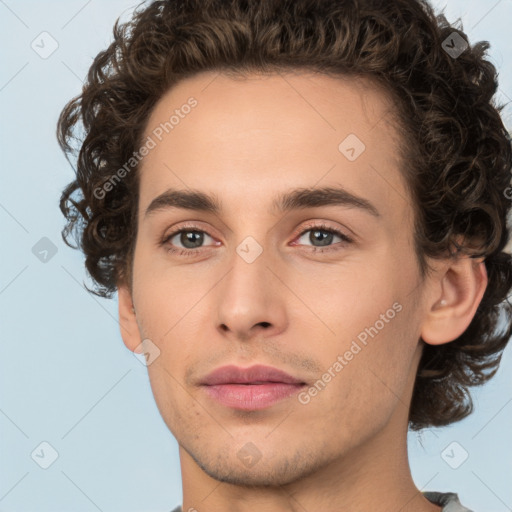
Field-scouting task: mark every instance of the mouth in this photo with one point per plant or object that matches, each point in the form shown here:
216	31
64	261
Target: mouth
254	388
251	397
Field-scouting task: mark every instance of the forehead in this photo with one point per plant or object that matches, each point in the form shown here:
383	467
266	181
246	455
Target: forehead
264	133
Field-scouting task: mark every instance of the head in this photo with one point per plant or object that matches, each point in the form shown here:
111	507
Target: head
239	113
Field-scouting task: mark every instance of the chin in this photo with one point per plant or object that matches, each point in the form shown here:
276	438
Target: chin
228	466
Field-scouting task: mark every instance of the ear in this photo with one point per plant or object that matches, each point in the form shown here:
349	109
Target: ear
127	319
453	305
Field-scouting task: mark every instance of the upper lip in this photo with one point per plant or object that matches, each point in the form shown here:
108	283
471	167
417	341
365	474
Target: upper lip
253	375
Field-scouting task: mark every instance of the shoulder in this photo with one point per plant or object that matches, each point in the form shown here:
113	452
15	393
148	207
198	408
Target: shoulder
448	500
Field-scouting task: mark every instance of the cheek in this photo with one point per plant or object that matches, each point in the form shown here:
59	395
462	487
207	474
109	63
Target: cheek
374	336
347	298
370	379
164	294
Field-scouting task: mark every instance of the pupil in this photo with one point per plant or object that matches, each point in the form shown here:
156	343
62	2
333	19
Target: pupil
191	236
325	238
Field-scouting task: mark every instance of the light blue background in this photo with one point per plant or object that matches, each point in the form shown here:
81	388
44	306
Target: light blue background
65	375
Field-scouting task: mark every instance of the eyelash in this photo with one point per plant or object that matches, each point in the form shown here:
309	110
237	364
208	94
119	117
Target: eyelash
193	252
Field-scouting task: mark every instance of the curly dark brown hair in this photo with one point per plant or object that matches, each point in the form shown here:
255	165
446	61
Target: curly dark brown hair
457	150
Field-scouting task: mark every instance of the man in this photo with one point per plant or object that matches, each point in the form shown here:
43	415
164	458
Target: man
302	206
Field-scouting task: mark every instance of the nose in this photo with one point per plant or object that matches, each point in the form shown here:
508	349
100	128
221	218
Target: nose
251	299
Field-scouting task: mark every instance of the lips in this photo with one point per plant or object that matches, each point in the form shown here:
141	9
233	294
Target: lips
258	374
250	389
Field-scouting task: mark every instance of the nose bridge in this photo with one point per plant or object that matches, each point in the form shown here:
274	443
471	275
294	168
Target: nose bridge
249	269
247	296
251	250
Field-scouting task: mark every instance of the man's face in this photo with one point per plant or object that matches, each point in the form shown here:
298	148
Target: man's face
251	290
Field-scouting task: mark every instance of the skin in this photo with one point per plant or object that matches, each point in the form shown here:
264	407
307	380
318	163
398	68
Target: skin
246	141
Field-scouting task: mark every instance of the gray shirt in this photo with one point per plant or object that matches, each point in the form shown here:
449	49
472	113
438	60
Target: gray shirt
448	500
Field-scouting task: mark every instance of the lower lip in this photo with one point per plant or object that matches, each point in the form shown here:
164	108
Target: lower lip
251	397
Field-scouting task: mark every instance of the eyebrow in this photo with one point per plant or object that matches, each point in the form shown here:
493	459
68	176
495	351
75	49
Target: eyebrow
295	199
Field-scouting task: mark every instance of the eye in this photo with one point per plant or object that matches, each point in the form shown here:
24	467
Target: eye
324	236
190	238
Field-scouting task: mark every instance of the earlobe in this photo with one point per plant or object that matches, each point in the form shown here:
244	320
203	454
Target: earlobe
127	319
450	313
